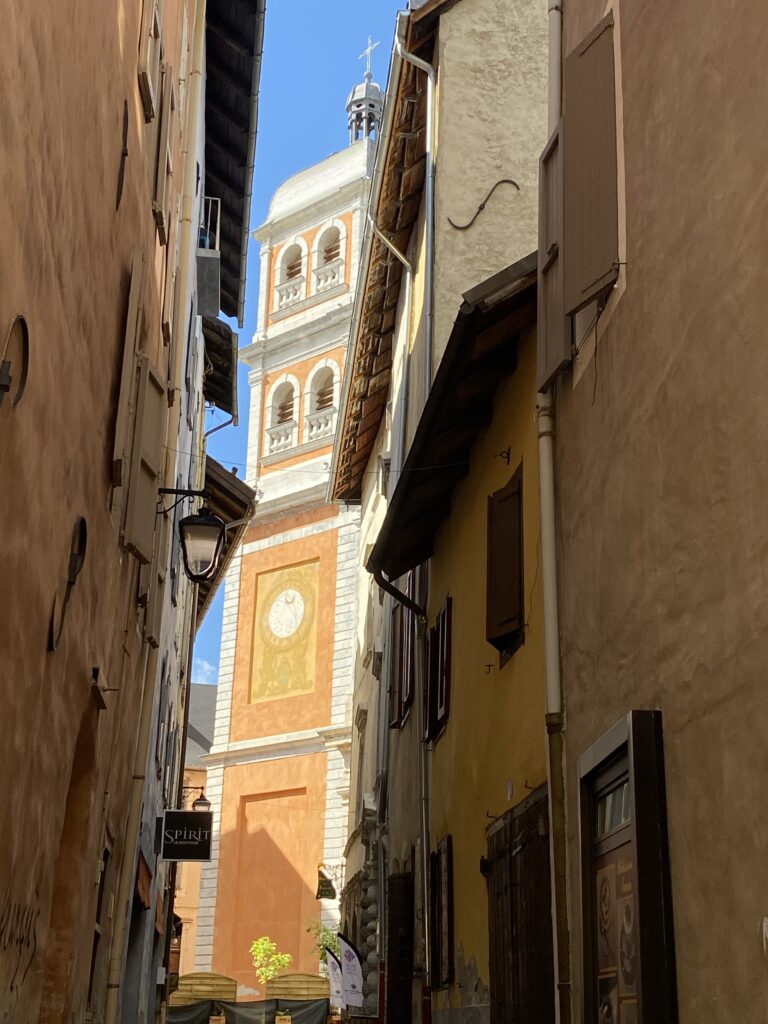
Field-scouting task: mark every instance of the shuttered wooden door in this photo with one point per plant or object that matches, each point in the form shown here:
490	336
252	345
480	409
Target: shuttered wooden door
399	948
519	915
590	178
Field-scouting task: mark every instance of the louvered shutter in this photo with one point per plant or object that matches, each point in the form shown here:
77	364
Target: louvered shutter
153	619
149	434
444	665
150	48
445	858
409	645
396	663
430	687
505	616
121	452
164	170
553	328
169	290
590	188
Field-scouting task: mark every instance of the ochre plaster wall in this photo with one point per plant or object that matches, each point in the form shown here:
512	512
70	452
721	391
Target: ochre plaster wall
65	265
662	470
271	843
284	714
495	732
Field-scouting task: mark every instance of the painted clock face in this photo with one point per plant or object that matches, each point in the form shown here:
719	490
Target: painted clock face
286	614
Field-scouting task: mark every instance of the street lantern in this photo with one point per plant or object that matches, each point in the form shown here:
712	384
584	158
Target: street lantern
202	540
202	803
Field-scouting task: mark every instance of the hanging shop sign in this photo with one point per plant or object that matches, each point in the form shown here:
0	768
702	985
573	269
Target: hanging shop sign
187	835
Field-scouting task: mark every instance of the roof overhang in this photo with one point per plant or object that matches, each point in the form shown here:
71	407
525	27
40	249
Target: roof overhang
220	377
232	500
481	351
234	41
395	199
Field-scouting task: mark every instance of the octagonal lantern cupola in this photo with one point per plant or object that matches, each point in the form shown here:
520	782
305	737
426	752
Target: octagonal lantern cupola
365	104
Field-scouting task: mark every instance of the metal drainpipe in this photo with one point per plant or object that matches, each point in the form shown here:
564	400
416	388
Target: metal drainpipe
554	694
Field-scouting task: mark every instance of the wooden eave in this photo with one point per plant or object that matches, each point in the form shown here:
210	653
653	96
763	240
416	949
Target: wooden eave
232	500
396	214
481	352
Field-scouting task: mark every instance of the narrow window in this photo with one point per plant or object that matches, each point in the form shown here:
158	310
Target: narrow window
331	245
292	262
505	616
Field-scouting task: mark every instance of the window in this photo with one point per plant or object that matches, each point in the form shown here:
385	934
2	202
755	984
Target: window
441	911
291	282
521	957
505	615
328	260
102	917
323	390
161	202
282	432
359	801
396	668
437	692
628	944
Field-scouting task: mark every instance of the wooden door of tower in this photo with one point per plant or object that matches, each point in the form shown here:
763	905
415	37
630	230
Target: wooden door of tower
519	915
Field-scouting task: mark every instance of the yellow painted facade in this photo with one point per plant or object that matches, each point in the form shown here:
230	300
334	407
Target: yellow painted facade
492	753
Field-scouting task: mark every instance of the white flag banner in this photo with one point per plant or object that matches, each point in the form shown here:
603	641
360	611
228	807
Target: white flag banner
335	980
351	973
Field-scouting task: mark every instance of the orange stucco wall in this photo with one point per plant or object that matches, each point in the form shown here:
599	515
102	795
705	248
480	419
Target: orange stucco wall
271	843
291	713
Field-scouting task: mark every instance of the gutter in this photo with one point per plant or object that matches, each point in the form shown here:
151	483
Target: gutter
387	123
261	11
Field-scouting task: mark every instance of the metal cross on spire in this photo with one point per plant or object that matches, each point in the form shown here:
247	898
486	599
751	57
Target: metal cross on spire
367	54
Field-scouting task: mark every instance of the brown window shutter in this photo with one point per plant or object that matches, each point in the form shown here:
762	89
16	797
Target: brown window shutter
409	645
396	671
169	289
430	688
590	190
553	328
445	964
149	435
400	912
505	615
444	672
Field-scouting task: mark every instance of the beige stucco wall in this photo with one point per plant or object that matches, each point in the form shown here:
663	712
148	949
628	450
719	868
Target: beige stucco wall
663	476
491	124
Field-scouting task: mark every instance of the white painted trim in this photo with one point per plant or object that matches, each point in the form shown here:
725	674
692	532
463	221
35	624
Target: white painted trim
269	748
299	533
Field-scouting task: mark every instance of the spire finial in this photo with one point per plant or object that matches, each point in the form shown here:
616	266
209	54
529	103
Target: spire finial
367	54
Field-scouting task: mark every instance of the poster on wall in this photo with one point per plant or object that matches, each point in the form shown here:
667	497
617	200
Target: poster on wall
351	973
617	946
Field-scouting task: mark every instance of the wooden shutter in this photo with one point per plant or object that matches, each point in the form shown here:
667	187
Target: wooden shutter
150	47
169	289
505	614
121	452
396	669
153	618
553	328
149	434
162	198
519	915
441	909
409	646
399	948
443	703
430	686
590	188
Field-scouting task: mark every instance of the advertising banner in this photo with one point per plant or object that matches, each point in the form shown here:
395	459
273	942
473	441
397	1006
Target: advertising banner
187	835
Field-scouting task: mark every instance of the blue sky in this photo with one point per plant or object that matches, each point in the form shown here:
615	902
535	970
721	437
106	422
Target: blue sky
310	65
